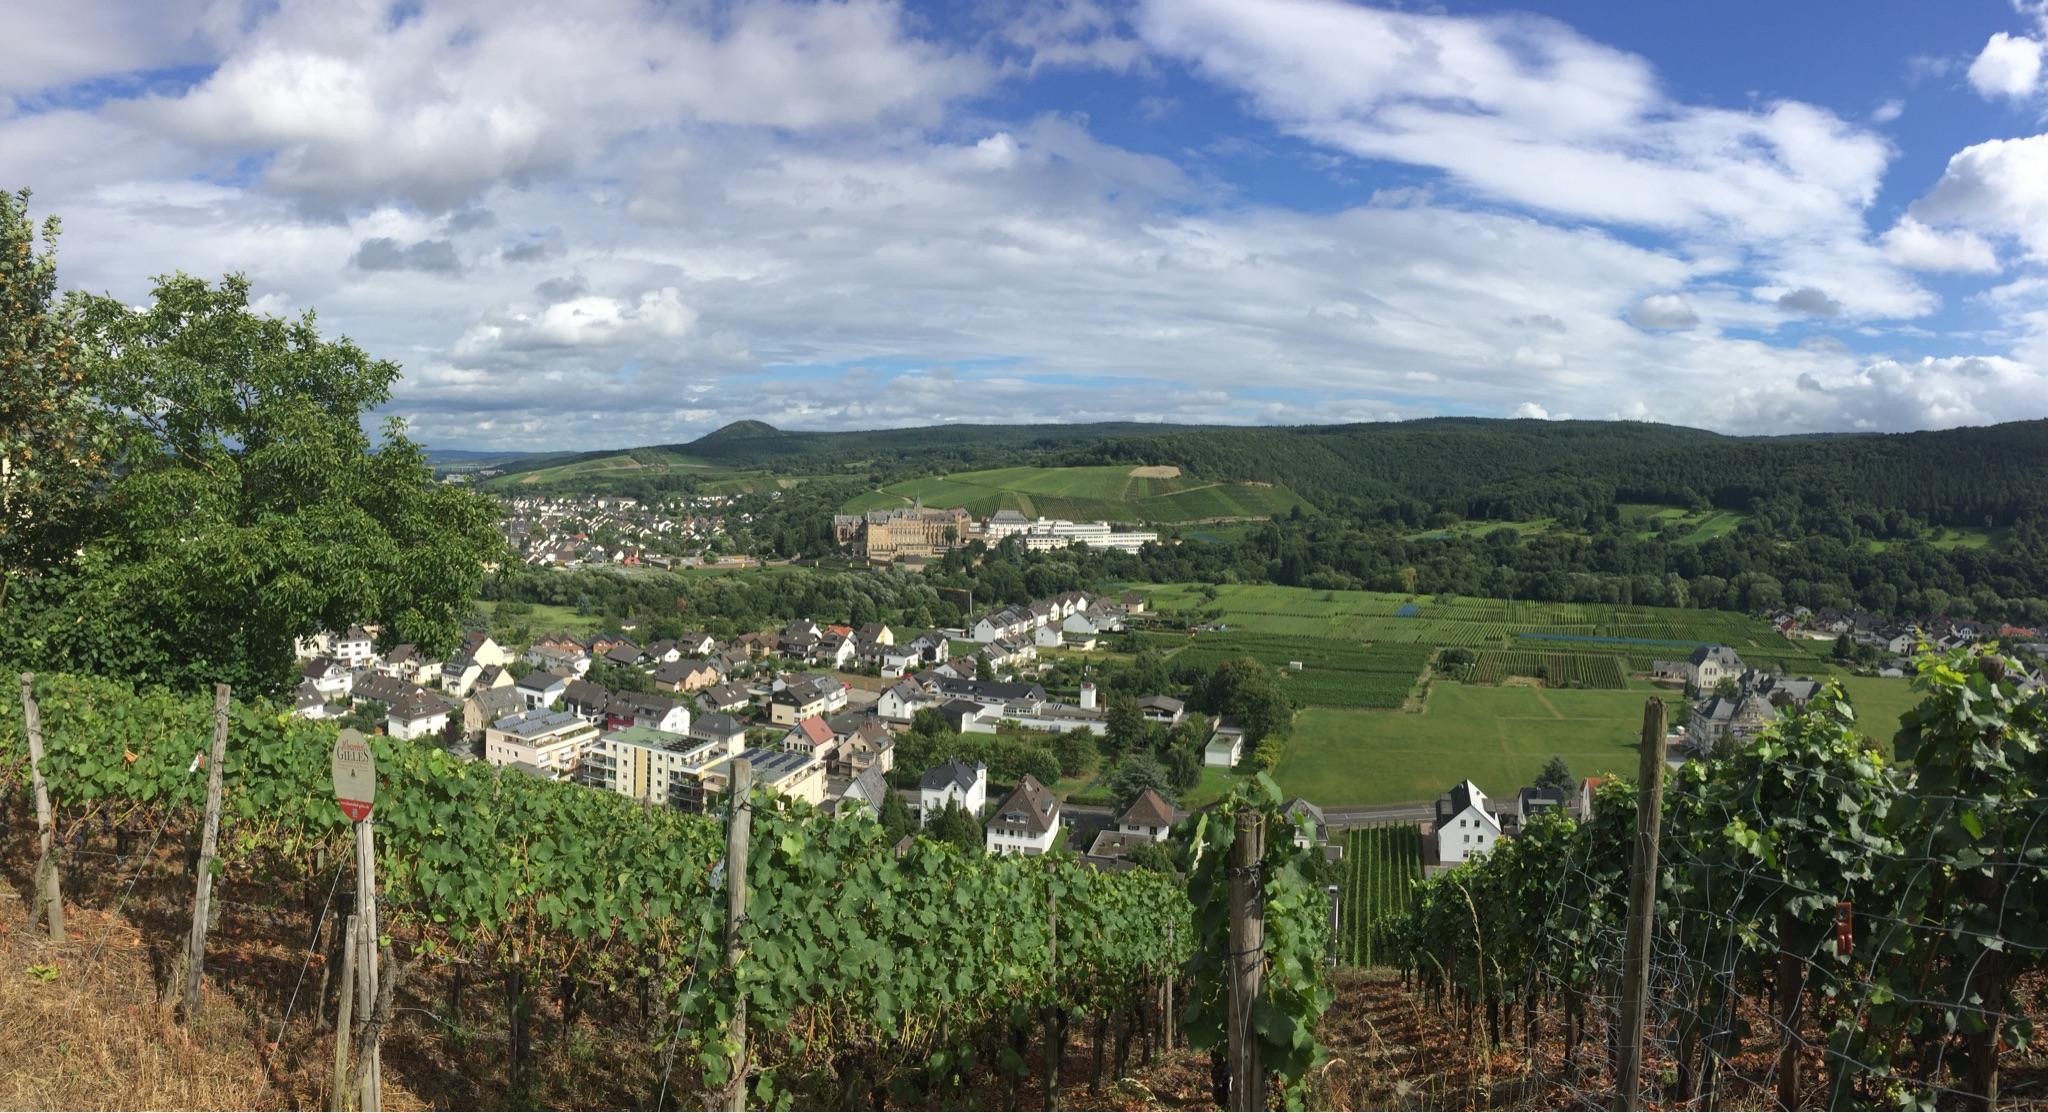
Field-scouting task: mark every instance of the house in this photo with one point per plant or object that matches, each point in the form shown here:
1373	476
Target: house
647	709
480	648
1530	802
989	693
663	652
587	699
1026	822
1162	709
494	676
1582	805
799	697
645	764
407	663
870	746
566	662
696	643
864	793
876	633
813	737
329	677
1133	603
1738	718
422	714
1311	829
716	726
686	675
1706	668
355	648
1464	825
309	703
1149	816
553	741
1114	846
366	685
835	651
953	782
902	702
541	689
459	675
485	706
797	776
622	653
725	697
1226	745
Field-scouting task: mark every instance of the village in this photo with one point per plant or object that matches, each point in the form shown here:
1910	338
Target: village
588	530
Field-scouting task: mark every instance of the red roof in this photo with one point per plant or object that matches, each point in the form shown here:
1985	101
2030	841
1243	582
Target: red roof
814	728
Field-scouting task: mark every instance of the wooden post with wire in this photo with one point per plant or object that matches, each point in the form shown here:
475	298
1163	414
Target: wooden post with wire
1247	960
355	792
738	832
337	1090
49	896
372	1064
1642	908
209	847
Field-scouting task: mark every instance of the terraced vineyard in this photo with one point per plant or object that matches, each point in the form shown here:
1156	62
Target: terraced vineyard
1381	866
1570	670
1333	673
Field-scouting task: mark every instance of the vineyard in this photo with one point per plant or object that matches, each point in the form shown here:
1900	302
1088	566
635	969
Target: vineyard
1827	930
932	963
1569	670
1333	673
1382	865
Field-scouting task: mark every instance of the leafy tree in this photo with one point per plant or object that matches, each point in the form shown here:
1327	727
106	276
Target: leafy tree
367	716
1727	688
245	506
955	826
982	669
54	437
1137	773
1556	774
1247	691
1155	856
1076	751
454	736
895	816
618	678
1126	727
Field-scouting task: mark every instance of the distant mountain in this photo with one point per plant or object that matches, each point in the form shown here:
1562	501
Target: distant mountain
1476	467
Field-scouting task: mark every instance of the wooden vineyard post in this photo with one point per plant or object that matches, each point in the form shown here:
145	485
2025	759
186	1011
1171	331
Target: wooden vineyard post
355	792
1247	960
337	1091
209	846
1791	986
738	832
1055	1021
49	888
1171	931
1642	907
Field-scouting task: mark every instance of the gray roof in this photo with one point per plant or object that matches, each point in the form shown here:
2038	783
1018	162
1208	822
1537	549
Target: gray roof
716	724
951	772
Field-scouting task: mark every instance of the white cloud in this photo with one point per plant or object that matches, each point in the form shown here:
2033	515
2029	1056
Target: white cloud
1663	311
1998	187
1915	245
2009	66
1531	410
1888	111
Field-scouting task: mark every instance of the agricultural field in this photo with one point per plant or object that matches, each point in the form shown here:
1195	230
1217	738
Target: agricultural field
595	473
1381	866
1111	493
1693	527
1499	737
538	618
1568	670
1333	673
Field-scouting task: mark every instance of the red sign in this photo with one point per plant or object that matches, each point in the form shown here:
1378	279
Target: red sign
355	775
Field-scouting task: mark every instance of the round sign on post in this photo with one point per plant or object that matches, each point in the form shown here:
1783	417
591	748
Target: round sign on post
355	775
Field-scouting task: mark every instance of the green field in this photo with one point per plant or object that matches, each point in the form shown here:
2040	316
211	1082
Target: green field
546	618
598	472
1086	494
1878	702
1498	737
1381	866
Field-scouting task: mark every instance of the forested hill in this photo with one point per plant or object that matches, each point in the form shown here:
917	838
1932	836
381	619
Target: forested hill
1473	467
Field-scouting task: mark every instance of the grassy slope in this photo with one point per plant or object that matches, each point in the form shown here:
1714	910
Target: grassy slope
1089	493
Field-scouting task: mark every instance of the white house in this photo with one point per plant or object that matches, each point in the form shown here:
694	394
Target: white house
1026	822
419	715
355	648
1465	826
902	702
1149	816
954	782
1226	745
551	741
541	689
330	678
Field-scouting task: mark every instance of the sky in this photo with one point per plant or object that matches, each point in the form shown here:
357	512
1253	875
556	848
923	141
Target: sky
623	222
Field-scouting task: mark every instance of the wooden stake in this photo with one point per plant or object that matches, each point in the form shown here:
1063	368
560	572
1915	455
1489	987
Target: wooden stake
49	890
1171	931
1642	907
1247	960
1791	987
738	832
366	910
337	1090
209	844
1055	1024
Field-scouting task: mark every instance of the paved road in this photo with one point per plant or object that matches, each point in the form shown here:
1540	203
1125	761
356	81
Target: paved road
1379	813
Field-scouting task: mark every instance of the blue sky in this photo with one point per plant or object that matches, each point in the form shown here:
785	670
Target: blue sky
622	222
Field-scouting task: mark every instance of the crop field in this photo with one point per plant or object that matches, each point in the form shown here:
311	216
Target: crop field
1381	866
1333	673
1572	670
1112	493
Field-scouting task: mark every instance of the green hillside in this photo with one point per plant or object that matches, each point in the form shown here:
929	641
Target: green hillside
1112	493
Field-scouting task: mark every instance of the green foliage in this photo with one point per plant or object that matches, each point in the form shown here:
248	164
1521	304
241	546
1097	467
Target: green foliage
1557	775
1137	773
958	829
1380	869
1248	692
245	506
1293	993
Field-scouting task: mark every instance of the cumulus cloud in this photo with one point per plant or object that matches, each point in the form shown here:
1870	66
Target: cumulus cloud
1663	311
1810	301
1999	187
1915	245
382	253
2009	66
1531	410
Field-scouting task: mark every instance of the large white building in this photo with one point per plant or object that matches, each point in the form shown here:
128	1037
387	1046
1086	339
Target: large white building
552	741
1465	826
1058	533
954	782
1026	822
645	764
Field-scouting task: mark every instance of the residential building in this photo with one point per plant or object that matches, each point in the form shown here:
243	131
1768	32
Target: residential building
799	697
953	782
541	689
811	736
329	677
1465	826
1149	816
864	792
904	531
644	763
550	740
1226	745
716	726
421	714
647	709
1026	822
797	776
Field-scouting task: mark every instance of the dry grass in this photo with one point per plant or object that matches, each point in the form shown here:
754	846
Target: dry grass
94	1036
